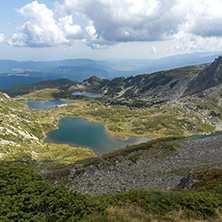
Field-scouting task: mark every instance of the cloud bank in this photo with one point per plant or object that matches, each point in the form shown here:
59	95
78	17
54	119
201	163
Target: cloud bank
101	23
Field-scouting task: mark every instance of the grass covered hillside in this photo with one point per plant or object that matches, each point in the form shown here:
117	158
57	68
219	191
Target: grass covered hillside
22	132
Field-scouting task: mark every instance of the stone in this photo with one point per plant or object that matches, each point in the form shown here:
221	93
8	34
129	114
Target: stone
186	182
214	113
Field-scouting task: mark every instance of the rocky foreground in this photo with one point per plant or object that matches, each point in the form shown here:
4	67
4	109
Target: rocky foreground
156	168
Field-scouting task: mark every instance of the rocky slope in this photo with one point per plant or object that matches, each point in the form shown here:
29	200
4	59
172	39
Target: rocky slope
147	89
159	88
159	165
209	77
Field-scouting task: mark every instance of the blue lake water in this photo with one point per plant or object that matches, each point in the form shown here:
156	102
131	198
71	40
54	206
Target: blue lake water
81	132
88	94
47	104
205	136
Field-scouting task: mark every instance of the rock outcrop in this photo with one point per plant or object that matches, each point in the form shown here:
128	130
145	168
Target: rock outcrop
211	76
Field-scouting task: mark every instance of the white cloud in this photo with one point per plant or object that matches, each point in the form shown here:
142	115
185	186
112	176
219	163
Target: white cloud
128	20
101	23
2	38
18	39
207	20
69	30
187	42
148	20
40	30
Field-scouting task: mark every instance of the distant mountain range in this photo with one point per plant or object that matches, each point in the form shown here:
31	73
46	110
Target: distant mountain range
143	90
14	73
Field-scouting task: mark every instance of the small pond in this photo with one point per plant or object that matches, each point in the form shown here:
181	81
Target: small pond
88	94
47	104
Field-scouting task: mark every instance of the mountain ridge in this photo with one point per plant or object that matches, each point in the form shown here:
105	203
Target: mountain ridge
80	69
144	90
209	77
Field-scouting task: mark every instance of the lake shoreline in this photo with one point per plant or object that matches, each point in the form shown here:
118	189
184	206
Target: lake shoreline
109	142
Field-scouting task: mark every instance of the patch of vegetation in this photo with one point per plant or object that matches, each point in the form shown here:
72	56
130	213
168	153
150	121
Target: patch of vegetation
89	162
180	171
41	95
50	152
134	158
209	180
63	153
25	196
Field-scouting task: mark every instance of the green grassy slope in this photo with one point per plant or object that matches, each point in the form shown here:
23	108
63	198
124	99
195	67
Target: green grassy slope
25	196
22	132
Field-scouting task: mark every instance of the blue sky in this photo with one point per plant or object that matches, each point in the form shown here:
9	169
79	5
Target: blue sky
105	29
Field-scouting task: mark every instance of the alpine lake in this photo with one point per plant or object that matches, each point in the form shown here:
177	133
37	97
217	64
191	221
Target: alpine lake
82	133
88	94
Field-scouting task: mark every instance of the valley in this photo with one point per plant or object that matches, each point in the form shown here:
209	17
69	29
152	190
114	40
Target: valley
178	115
162	106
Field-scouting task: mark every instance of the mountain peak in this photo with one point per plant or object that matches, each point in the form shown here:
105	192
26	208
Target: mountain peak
211	76
92	79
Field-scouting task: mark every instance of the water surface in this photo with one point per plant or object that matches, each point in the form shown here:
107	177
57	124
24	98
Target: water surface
205	136
88	94
47	104
81	132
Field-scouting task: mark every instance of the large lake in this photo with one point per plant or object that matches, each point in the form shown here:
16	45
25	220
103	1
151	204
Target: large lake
81	132
47	104
88	94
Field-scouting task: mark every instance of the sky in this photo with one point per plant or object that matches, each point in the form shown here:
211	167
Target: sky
108	29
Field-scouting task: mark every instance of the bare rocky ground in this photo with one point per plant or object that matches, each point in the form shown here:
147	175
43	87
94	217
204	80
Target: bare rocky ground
156	171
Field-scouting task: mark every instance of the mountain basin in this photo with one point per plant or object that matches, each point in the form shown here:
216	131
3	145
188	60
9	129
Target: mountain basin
47	104
81	132
88	94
